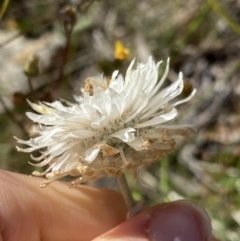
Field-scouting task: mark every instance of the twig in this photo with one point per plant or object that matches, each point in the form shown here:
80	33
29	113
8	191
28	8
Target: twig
83	6
59	80
68	18
30	86
12	117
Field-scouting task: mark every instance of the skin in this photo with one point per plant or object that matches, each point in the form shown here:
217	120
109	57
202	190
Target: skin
58	213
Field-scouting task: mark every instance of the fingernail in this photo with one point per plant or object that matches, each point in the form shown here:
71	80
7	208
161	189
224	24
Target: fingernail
179	221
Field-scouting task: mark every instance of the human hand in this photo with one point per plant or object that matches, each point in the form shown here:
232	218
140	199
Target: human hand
59	213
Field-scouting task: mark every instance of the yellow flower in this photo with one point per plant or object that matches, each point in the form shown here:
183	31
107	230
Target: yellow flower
121	52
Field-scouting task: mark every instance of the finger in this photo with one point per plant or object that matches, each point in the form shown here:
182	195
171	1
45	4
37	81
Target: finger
57	212
177	221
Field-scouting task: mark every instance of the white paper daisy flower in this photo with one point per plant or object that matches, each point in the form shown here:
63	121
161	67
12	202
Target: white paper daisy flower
114	126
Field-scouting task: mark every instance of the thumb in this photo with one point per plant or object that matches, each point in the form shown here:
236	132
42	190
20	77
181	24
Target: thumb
176	221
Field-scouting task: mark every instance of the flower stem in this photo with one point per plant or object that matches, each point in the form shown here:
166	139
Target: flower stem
127	195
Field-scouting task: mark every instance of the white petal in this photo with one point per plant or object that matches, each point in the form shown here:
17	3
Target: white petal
82	134
163	97
136	143
43	109
138	106
57	149
115	74
186	99
43	163
125	135
91	154
129	73
161	80
58	106
175	88
77	98
115	113
101	123
43	119
117	83
158	119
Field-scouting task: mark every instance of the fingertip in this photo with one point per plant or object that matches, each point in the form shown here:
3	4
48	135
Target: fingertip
180	221
176	221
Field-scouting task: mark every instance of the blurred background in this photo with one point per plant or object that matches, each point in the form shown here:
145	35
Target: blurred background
48	48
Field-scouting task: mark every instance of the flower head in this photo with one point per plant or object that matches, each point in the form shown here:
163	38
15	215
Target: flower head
114	126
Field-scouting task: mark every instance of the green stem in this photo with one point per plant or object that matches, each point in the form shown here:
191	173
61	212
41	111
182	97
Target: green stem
127	195
4	8
59	80
194	25
30	86
222	13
